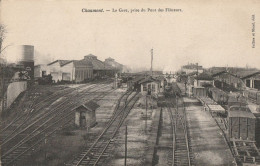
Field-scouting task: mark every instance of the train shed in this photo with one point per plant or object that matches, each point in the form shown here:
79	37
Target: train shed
85	115
100	69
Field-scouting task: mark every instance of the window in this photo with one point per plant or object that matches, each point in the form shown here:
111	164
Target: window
153	88
144	88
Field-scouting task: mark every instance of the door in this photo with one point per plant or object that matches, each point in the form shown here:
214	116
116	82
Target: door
82	119
149	89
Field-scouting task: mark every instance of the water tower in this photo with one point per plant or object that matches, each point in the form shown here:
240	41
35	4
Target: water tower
25	59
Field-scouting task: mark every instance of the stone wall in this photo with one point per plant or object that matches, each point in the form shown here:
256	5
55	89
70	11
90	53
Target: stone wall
13	91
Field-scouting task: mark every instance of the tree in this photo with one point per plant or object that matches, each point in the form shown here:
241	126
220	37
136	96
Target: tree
2	36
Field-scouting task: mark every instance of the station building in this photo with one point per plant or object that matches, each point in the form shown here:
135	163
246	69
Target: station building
70	70
78	70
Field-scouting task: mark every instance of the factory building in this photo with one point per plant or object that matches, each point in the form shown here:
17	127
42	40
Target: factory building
100	69
40	70
55	69
70	70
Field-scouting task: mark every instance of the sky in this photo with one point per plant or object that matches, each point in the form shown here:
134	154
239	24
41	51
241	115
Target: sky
212	33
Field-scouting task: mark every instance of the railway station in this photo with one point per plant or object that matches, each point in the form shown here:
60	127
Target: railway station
89	83
146	118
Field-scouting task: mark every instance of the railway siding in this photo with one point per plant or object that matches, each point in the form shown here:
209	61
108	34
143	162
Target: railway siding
208	144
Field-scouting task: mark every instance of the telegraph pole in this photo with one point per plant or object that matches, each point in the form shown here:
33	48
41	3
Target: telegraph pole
151	62
125	144
146	114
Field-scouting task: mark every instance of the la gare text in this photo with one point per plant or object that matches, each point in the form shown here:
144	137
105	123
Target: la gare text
122	10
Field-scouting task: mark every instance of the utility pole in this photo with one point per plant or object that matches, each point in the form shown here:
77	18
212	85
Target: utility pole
197	73
125	144
151	62
145	113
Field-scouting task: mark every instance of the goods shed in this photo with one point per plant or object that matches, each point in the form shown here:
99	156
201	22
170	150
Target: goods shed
241	123
85	115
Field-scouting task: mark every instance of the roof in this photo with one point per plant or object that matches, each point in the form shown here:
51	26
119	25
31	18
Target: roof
61	62
110	59
82	63
215	107
137	79
98	64
240	74
192	66
240	113
91	55
204	76
247	74
91	106
160	78
79	63
214	74
149	79
113	63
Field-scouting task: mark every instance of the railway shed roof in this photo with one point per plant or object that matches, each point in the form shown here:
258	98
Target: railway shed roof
90	106
79	63
204	76
149	79
98	64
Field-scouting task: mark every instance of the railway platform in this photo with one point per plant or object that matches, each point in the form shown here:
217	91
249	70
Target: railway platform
207	141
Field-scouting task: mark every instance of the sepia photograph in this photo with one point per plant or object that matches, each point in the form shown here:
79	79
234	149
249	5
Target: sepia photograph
129	83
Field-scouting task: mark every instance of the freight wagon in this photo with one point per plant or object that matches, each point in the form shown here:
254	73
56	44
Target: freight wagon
199	92
241	124
252	95
218	95
238	101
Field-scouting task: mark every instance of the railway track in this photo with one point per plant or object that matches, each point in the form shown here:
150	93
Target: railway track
28	139
35	114
100	148
181	148
20	119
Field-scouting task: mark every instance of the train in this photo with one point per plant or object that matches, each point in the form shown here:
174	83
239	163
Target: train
252	95
218	95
